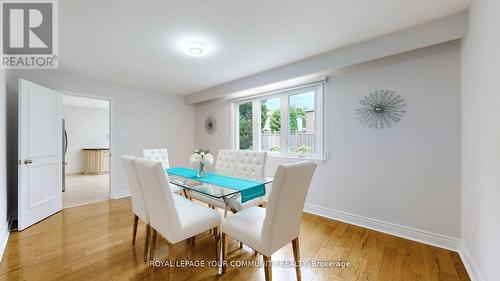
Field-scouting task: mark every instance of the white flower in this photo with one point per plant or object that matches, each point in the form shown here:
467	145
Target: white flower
208	159
202	153
196	151
195	158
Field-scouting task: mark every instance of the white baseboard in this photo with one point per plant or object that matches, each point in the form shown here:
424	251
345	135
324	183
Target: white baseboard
470	264
433	239
122	193
4	237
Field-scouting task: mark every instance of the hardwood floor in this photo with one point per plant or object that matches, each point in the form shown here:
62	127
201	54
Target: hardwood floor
93	242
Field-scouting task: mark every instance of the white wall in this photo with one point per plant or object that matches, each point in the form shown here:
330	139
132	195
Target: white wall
139	118
86	128
435	32
481	139
407	175
3	160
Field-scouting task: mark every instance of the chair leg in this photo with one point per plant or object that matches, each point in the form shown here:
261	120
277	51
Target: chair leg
296	255
223	249
172	260
186	194
193	241
241	245
268	269
216	240
153	245
146	245
134	229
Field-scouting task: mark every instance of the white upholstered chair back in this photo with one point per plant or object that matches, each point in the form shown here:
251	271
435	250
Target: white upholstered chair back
250	165
159	155
158	196
138	203
226	162
286	203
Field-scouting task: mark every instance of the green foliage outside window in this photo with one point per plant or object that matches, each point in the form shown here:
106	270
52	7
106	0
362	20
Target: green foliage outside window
246	135
295	112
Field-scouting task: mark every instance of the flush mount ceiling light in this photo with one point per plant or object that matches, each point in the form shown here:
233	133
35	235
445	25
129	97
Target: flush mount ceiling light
195	51
196	48
193	45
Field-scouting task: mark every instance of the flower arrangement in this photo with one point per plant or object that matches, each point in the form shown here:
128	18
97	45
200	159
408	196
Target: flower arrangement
202	158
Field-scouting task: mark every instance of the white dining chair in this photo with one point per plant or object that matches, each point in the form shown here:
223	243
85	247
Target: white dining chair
157	154
226	162
138	205
249	165
165	215
268	230
160	155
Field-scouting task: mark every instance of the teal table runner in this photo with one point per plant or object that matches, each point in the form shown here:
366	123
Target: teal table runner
249	189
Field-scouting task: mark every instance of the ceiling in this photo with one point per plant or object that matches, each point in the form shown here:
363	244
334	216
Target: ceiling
137	42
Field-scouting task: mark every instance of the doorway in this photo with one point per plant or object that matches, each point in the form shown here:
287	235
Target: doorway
86	150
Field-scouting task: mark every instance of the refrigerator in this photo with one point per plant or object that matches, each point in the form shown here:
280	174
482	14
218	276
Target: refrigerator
65	149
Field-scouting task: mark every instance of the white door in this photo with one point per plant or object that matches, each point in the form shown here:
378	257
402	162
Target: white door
40	153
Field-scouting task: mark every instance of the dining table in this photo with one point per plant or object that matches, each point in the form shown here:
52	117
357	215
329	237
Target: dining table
218	187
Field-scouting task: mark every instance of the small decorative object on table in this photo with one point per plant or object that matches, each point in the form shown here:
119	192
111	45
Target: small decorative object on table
202	159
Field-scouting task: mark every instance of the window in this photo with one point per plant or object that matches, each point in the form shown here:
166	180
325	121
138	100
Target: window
287	123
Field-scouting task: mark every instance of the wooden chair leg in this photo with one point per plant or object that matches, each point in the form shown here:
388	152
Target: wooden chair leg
172	260
224	250
193	241
134	229
296	255
146	245
268	269
241	245
153	245
184	192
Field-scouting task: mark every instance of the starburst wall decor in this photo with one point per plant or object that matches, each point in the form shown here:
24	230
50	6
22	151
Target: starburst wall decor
380	109
210	124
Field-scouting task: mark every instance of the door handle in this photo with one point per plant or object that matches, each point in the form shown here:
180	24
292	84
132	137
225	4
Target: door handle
27	161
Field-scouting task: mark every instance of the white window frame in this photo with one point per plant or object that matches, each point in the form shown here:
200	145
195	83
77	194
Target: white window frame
319	153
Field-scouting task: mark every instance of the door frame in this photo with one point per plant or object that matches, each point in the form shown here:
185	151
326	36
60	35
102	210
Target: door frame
111	129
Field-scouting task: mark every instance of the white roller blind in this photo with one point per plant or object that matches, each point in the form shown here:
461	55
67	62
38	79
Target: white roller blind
276	88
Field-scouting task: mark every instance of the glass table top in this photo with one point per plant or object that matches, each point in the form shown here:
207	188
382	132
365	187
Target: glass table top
212	190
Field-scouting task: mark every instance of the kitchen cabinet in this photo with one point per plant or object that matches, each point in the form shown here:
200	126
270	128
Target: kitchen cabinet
96	161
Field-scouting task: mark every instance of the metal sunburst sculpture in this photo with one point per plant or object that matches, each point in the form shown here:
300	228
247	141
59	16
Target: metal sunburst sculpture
380	109
210	124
